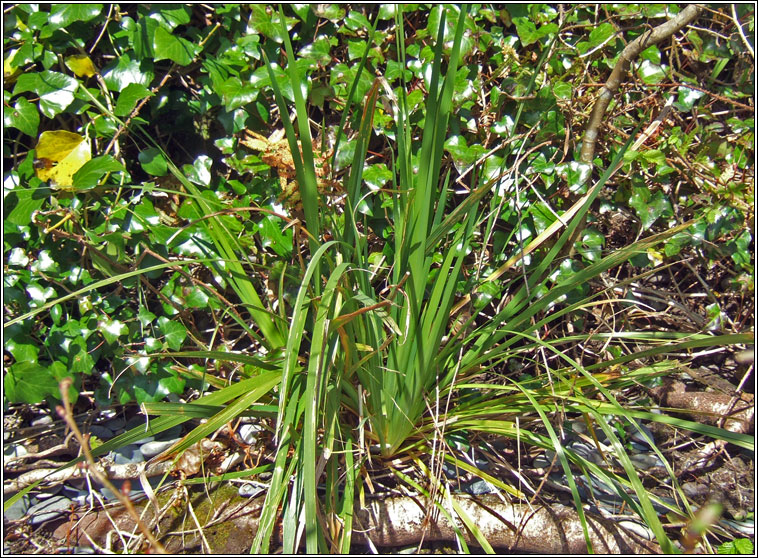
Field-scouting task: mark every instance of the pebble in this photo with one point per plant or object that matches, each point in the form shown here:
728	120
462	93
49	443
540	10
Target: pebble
151	449
114	424
230	461
18	509
694	489
646	460
78	496
108	414
479	487
249	490
587	451
13	450
541	462
577	426
127	454
637	529
248	433
639	448
745	357
43	420
636	436
134	494
451	471
48	492
48	509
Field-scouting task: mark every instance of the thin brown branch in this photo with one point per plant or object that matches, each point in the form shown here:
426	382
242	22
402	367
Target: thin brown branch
632	50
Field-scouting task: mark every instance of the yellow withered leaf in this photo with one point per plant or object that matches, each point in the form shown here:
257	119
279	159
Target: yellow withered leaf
59	155
10	72
81	65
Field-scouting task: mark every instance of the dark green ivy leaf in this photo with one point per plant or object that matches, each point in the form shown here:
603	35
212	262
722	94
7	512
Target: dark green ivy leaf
91	172
153	162
28	382
176	49
24	116
129	97
61	15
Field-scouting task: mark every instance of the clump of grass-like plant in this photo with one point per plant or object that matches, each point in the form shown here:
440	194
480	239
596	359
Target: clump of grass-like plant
368	365
380	345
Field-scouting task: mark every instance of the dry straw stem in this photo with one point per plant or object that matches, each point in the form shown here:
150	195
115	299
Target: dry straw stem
632	50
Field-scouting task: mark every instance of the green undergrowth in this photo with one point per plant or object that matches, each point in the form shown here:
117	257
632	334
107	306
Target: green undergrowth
444	257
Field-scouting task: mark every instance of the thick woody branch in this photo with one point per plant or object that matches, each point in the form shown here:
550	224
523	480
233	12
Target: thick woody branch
632	50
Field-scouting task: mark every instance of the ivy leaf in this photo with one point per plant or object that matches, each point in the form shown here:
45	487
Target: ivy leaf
267	24
649	207
171	16
89	175
172	383
28	382
27	201
174	332
61	154
356	21
55	90
686	98
651	73
562	90
528	32
79	358
331	12
235	94
145	316
22	352
153	162
111	330
463	155
24	117
129	97
62	15
176	49
81	65
147	389
319	50
273	236
376	176
591	244
598	35
126	71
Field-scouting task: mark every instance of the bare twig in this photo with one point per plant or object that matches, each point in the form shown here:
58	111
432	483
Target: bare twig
138	108
741	32
632	50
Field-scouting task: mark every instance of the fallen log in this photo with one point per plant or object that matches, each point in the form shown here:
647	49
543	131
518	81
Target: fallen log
540	529
736	413
390	522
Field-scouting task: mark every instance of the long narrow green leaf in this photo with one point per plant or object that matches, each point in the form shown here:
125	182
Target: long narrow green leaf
263	384
312	396
295	337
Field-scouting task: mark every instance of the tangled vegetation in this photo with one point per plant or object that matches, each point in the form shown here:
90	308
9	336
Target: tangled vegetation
399	237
